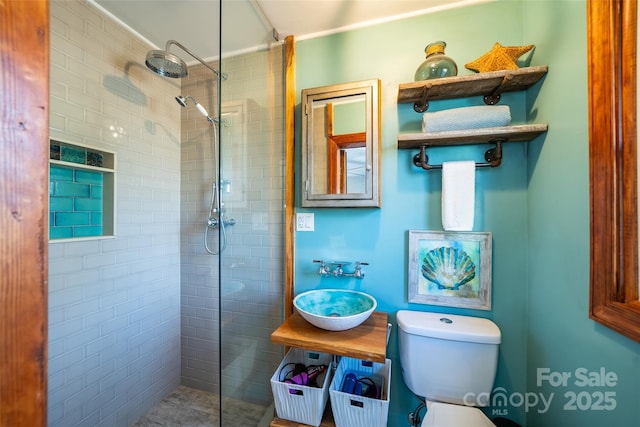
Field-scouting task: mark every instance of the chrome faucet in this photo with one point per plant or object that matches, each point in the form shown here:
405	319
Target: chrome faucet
335	269
358	273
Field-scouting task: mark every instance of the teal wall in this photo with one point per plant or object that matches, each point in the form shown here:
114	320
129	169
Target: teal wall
535	203
560	336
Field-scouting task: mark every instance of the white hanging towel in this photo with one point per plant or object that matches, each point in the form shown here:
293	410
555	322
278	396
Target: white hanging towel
458	195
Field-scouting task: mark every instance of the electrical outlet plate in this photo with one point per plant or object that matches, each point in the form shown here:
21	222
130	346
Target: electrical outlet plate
304	222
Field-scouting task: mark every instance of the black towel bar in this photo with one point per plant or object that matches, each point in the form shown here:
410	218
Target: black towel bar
493	157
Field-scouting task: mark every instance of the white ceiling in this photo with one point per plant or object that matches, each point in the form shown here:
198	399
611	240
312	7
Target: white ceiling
245	25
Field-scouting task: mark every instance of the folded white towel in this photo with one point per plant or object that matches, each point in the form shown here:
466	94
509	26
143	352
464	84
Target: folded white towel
458	195
486	116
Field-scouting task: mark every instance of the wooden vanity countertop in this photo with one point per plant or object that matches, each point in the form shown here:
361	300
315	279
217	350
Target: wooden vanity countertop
366	342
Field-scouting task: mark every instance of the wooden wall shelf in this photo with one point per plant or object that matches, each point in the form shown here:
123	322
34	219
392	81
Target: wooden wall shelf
490	85
471	136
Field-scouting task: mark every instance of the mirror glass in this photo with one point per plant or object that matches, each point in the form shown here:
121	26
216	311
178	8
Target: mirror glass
340	145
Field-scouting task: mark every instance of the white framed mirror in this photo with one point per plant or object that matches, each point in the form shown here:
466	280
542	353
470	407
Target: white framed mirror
341	145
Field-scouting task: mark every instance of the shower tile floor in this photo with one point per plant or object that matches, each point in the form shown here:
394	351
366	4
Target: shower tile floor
189	407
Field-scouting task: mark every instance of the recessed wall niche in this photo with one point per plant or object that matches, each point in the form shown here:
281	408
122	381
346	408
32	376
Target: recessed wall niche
81	192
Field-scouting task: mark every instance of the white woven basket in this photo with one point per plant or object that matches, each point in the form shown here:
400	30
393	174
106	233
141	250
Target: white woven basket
307	405
351	410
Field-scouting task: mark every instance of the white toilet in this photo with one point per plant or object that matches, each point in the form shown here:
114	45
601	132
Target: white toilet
451	361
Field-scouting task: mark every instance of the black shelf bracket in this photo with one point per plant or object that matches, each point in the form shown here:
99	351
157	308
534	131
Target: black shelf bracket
423	105
494	97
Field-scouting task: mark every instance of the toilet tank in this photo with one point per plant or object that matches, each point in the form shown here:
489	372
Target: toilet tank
448	358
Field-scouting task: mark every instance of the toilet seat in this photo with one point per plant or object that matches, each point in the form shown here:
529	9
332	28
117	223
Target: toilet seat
449	415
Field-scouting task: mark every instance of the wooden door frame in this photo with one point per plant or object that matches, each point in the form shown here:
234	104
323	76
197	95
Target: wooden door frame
290	110
24	171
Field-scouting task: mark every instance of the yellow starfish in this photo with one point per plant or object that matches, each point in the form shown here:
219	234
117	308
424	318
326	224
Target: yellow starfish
499	58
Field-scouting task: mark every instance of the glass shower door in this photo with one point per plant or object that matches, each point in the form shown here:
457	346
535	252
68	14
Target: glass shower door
252	204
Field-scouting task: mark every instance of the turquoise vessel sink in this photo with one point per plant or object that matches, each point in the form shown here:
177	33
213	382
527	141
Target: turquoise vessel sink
335	309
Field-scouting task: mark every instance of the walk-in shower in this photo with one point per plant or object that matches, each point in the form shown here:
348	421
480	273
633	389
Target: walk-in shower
245	284
146	313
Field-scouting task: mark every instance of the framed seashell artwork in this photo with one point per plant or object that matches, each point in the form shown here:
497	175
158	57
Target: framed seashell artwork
450	268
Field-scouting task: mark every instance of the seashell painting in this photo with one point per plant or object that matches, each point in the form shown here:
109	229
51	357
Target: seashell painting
448	268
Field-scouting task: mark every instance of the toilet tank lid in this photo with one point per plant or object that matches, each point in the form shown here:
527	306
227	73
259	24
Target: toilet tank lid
449	326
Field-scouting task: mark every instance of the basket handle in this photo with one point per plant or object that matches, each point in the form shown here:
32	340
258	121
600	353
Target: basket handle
357	403
296	391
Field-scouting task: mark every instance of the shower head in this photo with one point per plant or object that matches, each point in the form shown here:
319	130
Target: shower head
182	100
167	64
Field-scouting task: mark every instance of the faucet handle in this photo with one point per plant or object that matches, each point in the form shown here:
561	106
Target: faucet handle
323	267
338	270
359	273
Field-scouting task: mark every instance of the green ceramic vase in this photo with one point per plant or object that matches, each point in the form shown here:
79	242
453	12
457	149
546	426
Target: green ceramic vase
436	64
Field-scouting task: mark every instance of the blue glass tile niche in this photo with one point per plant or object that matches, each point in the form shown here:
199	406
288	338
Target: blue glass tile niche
80	192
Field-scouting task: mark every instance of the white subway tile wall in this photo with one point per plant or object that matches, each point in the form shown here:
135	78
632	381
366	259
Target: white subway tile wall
114	304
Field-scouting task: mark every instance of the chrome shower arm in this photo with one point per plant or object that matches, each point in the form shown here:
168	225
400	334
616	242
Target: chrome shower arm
170	42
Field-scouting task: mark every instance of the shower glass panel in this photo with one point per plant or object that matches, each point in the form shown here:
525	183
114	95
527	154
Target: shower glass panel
252	192
232	244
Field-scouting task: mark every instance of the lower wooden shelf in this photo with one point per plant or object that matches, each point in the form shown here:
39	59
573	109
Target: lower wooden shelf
327	420
277	422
